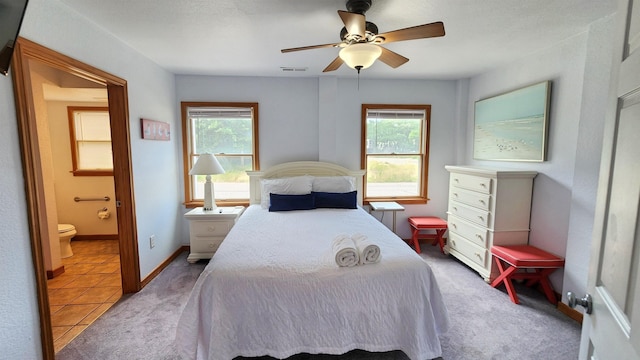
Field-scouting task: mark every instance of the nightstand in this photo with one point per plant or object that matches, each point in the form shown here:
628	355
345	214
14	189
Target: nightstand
207	229
387	206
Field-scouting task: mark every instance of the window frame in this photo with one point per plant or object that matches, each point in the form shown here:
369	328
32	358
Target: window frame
422	198
74	142
188	153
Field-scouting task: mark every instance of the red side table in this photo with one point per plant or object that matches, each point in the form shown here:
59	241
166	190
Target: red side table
421	223
525	257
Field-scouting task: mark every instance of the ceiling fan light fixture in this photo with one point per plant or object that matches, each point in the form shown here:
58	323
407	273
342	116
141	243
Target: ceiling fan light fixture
360	55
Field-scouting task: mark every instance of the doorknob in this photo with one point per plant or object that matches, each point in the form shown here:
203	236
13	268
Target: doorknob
586	302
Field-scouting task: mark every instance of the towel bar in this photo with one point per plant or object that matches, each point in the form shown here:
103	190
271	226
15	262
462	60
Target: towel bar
77	199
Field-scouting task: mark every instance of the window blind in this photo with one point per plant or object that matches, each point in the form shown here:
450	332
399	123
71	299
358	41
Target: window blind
396	114
219	113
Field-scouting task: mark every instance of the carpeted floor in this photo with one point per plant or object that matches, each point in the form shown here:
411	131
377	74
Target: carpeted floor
485	323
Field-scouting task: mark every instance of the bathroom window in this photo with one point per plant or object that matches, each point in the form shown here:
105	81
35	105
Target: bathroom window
229	130
90	133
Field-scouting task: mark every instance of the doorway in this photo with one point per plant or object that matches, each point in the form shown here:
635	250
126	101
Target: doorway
26	54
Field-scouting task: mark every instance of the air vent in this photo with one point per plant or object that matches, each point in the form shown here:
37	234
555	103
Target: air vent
293	69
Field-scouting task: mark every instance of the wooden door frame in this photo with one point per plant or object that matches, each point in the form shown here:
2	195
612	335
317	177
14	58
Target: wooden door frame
24	52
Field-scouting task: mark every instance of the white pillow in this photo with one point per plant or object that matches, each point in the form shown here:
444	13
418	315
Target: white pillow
297	185
335	184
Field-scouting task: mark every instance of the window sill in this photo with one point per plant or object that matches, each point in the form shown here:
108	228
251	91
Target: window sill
195	204
405	201
92	173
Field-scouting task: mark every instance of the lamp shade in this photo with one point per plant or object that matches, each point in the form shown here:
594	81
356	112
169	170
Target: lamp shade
360	55
207	164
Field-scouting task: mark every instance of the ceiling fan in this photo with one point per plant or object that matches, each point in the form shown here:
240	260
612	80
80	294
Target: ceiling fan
361	42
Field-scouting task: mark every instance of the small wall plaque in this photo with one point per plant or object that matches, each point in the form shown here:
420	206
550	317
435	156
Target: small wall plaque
155	130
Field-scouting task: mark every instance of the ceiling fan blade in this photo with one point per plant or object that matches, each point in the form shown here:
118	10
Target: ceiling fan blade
416	32
335	64
310	47
355	23
391	58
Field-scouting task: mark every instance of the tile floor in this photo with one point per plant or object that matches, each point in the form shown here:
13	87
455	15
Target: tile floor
90	285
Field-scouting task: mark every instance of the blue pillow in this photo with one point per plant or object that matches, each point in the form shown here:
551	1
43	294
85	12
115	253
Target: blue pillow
291	202
348	200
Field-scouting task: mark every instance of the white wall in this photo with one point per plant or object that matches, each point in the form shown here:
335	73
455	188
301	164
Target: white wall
20	326
151	95
441	95
565	188
319	118
588	153
287	111
300	119
156	174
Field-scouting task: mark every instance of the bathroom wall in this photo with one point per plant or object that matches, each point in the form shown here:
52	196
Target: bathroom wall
58	182
83	215
49	217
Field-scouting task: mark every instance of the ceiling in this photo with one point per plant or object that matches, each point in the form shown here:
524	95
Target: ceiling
59	85
244	37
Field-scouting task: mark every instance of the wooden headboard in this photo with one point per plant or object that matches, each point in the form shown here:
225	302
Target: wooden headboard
299	168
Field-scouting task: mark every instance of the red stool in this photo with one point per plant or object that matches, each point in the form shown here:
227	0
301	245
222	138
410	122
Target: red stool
420	223
525	257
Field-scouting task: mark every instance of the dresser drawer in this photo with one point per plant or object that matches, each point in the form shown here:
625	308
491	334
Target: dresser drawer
210	228
471	182
476	216
475	199
203	244
471	251
473	233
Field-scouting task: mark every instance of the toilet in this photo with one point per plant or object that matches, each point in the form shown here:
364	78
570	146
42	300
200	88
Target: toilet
66	232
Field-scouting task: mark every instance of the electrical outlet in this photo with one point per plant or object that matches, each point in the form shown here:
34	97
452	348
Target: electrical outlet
152	241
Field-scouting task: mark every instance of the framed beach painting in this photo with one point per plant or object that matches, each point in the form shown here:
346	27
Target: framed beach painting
513	126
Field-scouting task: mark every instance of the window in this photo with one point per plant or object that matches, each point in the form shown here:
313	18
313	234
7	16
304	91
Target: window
395	143
90	133
230	132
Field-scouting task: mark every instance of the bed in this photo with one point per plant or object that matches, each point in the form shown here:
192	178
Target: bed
273	287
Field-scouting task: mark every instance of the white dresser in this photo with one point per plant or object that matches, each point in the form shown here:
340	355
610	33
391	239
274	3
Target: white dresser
207	229
487	207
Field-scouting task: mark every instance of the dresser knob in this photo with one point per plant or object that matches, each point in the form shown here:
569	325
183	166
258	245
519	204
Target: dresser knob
483	185
456	180
211	228
479	236
478	255
482	202
211	246
455	194
481	218
455	208
453	225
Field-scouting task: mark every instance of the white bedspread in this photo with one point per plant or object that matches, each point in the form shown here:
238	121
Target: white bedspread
273	288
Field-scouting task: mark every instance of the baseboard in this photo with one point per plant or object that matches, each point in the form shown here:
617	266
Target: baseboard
162	266
572	313
55	272
96	237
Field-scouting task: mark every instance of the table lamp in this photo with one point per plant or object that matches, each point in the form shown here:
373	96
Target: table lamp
207	164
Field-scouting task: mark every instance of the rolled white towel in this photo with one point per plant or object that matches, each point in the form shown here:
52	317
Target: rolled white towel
368	251
346	253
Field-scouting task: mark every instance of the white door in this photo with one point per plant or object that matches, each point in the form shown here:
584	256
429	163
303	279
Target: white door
612	330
